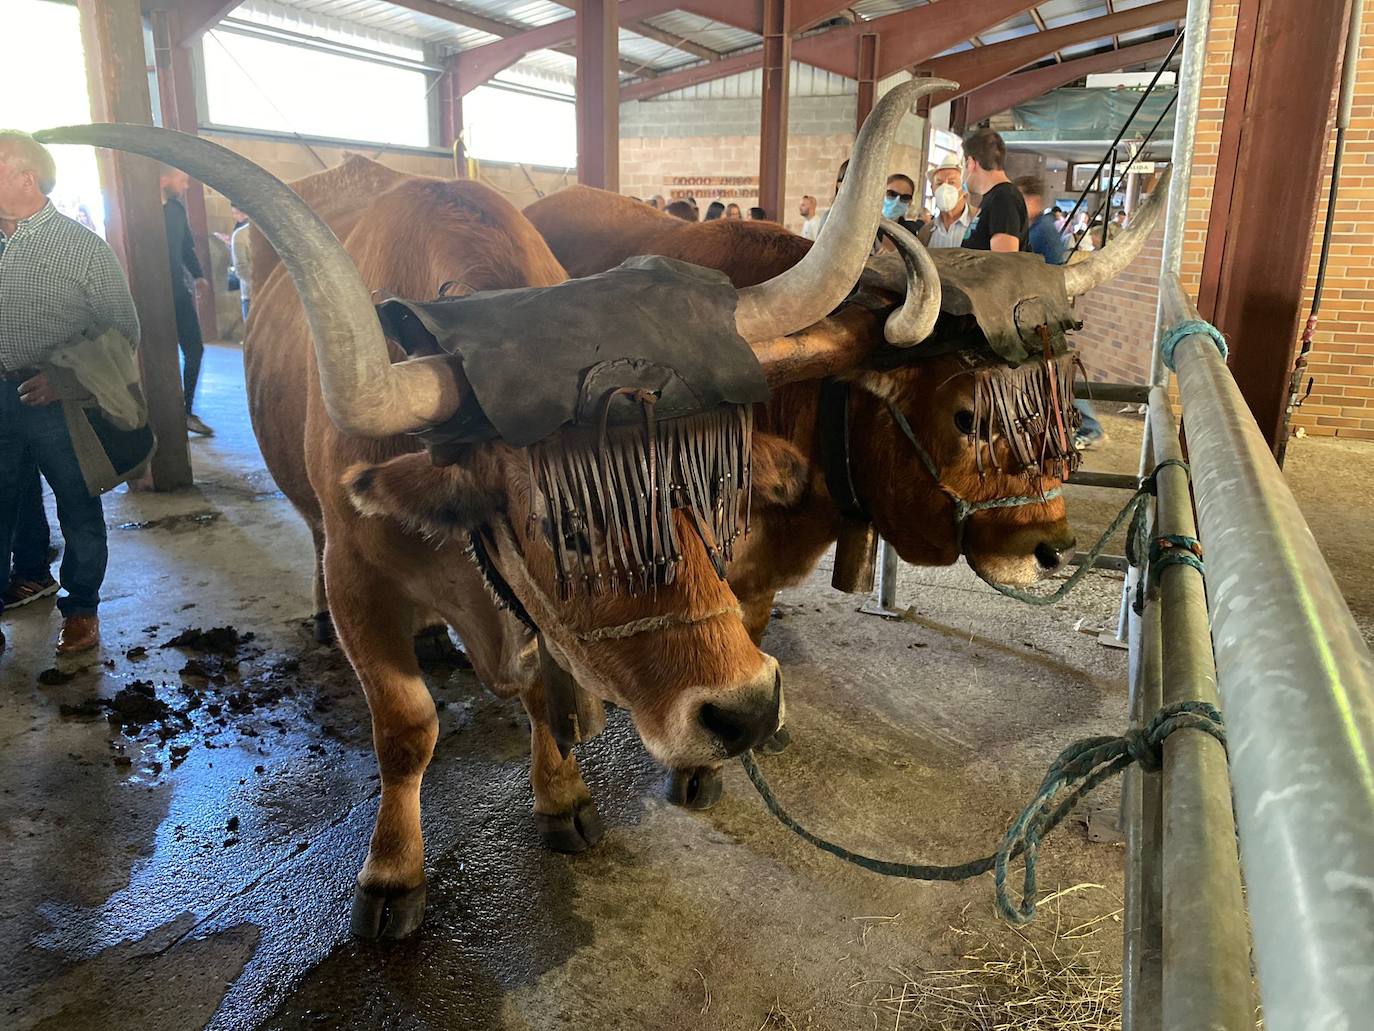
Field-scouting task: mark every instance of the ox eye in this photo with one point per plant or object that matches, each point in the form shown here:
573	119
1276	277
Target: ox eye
963	422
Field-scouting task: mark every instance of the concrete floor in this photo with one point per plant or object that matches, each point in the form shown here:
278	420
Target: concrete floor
205	879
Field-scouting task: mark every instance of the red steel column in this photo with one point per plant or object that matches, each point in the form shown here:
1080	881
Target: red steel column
598	95
777	61
868	77
117	71
1284	68
451	115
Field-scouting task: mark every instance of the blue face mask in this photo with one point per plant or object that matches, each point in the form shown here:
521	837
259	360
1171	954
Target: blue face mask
894	207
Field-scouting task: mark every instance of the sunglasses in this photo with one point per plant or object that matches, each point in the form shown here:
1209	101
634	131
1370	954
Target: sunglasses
905	198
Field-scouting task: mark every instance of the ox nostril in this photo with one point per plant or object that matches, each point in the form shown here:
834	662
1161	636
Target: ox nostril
741	727
729	727
1049	556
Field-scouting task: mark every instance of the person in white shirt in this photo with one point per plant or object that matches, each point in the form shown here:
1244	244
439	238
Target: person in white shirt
811	222
952	212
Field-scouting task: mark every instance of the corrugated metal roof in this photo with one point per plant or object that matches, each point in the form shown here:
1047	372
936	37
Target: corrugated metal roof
870	9
713	34
1012	28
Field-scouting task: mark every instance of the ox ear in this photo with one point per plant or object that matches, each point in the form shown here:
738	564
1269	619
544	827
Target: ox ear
443	503
780	472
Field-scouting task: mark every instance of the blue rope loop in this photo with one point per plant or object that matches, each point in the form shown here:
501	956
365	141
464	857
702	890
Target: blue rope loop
1077	770
1190	327
1175	549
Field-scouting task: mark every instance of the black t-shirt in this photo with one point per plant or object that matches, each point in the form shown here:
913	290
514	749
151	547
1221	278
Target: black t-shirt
1003	211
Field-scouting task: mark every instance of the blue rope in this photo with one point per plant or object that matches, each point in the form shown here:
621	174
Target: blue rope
1187	328
1175	549
1074	773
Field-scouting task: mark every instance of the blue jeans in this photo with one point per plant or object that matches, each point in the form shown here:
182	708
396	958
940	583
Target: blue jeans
39	435
1091	428
32	537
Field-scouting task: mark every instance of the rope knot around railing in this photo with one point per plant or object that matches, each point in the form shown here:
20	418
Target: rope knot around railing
1075	772
1177	333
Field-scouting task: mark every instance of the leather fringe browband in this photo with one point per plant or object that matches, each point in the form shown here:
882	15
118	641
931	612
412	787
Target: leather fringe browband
1032	408
610	494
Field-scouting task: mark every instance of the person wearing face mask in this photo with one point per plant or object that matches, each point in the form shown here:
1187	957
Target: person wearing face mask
896	203
952	213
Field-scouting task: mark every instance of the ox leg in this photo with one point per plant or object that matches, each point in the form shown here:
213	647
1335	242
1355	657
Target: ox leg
324	623
375	626
757	612
563	808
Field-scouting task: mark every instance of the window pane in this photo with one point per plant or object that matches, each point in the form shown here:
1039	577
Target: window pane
504	125
262	84
42	86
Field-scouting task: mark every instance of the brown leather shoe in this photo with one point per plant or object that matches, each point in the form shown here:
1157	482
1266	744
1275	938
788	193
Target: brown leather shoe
79	633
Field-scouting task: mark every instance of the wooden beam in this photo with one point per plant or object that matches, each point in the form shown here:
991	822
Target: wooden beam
921	33
975	68
777	62
117	72
868	77
598	100
1284	67
1016	89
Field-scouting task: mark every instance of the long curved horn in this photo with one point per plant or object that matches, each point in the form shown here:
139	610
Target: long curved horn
1108	263
815	286
915	319
364	393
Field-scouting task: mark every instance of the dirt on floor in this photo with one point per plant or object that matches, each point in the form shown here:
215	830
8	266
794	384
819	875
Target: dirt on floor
183	814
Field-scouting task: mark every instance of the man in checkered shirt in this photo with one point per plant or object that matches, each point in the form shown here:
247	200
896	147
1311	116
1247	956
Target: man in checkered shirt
57	280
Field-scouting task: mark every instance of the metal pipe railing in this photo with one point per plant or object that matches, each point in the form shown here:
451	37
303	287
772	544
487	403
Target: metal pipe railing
1298	682
1206	941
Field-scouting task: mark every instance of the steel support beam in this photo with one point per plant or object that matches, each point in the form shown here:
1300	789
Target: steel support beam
176	90
1006	93
451	110
868	77
777	62
909	37
194	17
982	65
598	100
117	71
1278	105
481	63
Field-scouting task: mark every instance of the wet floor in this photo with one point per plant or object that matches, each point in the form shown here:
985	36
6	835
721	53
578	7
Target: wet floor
182	817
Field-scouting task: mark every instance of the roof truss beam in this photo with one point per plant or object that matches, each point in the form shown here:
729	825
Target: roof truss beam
975	68
1016	89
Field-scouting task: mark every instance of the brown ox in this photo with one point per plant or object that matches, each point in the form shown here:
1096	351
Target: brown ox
590	230
332	407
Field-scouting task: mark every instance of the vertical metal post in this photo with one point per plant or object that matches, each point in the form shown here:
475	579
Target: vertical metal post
1206	941
1144	830
598	94
777	62
887	576
451	113
867	94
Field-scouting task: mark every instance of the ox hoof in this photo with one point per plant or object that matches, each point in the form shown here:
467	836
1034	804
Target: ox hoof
696	788
781	738
575	831
324	628
390	914
434	648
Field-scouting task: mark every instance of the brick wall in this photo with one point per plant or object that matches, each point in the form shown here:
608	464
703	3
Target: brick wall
1119	319
1342	361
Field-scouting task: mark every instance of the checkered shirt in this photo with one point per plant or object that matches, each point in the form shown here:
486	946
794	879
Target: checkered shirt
57	280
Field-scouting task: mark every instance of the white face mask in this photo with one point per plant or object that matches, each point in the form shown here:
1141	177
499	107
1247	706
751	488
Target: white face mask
947	197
